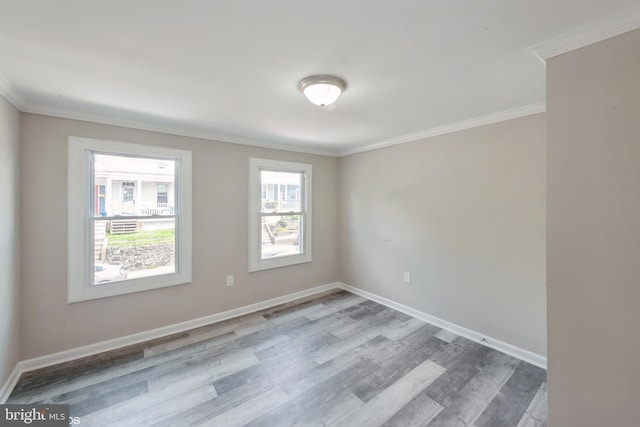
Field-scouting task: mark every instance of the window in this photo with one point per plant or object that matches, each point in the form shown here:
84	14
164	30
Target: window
116	243
280	214
163	196
127	191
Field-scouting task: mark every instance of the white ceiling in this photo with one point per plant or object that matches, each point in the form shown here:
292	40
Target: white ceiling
229	70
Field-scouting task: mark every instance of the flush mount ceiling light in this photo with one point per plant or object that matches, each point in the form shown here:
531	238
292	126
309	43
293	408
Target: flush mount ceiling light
322	90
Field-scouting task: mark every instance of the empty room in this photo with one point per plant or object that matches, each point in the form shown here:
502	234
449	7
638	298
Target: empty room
295	213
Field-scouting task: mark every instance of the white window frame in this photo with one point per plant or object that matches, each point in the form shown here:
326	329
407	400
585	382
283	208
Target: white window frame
255	218
79	251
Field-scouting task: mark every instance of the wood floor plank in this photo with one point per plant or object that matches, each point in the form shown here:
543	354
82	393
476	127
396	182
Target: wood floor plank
464	361
177	382
206	332
337	305
248	411
161	404
276	368
446	336
404	329
382	407
365	309
385	320
536	413
323	404
461	348
417	413
209	409
379	324
127	372
211	368
476	395
391	371
295	314
159	411
335	360
510	404
93	402
53	376
334	367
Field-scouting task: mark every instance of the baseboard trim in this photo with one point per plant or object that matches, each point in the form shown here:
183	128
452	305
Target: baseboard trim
11	382
91	349
114	344
496	344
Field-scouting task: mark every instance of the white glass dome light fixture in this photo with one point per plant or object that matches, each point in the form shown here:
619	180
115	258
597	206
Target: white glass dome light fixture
322	90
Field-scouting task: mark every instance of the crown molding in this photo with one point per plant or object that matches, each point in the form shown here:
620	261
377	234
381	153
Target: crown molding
171	130
8	91
180	131
583	36
11	94
513	113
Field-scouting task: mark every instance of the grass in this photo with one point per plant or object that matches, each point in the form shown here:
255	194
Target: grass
142	238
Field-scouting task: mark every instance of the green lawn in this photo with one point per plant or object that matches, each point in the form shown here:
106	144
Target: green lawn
142	238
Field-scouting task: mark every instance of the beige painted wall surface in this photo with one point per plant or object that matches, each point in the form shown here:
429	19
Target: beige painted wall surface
9	243
220	236
593	104
464	213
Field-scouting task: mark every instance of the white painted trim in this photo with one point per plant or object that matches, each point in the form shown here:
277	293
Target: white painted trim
520	353
167	129
91	349
10	93
595	32
255	223
79	180
501	116
10	383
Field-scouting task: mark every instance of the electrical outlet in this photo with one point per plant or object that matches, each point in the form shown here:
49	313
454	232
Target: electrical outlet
407	277
230	281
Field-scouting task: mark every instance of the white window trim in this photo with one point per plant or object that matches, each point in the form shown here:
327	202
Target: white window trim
255	200
78	251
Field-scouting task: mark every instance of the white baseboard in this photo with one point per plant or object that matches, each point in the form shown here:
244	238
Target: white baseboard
11	382
520	353
91	349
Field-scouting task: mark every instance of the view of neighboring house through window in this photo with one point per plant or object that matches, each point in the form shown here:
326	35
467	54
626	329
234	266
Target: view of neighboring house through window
280	218
281	213
139	225
137	234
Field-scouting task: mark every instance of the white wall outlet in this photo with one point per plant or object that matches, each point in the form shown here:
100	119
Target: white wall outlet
407	277
230	281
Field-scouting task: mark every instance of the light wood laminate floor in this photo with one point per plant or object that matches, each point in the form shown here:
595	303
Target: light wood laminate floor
337	360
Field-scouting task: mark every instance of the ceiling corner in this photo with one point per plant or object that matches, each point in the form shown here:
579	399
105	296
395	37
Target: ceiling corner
583	36
12	94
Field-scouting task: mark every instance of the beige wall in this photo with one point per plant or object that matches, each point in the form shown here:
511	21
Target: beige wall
220	223
464	213
9	243
593	107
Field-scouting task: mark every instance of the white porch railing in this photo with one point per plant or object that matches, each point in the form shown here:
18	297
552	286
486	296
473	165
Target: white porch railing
158	209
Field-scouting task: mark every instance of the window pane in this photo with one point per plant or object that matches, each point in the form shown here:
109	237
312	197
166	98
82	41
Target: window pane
128	186
281	191
162	194
281	236
131	249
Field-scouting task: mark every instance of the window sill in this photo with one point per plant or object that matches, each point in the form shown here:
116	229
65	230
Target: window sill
124	287
284	261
